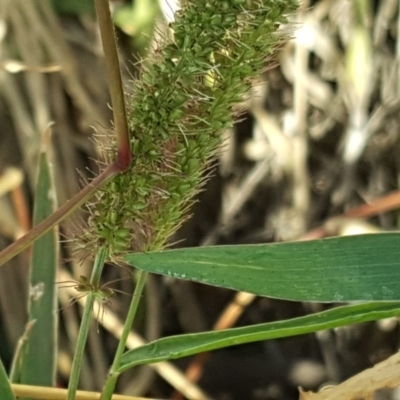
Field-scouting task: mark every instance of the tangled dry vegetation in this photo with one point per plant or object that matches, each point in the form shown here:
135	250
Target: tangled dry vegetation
320	138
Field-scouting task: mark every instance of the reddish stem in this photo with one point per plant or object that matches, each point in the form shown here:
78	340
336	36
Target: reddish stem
115	83
59	215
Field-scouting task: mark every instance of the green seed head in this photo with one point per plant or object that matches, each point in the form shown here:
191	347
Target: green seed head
186	97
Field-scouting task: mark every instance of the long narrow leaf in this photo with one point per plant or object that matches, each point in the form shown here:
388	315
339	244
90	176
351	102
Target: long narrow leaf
353	268
185	345
39	352
6	392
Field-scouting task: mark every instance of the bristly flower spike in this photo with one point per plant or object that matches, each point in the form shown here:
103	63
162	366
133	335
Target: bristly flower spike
189	92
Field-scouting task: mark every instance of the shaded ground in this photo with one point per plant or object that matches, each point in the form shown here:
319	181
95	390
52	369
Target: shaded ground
321	135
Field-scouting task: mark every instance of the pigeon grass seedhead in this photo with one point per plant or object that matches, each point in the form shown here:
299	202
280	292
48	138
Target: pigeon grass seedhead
189	92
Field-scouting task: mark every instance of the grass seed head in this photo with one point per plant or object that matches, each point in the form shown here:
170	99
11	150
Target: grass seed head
187	95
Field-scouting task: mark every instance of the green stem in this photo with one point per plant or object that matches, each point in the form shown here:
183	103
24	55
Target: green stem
85	324
114	373
66	209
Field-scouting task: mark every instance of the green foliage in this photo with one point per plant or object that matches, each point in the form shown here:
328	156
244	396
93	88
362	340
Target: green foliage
352	268
38	357
185	345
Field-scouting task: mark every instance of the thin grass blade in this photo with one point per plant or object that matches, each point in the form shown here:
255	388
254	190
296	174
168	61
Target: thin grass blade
185	345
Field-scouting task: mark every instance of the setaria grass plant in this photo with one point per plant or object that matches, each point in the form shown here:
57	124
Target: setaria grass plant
190	90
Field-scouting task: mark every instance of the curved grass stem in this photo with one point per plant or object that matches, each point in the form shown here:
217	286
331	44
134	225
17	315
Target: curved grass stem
85	324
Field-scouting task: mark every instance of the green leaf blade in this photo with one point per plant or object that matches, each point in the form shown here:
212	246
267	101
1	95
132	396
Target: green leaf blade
185	345
6	392
38	357
353	268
